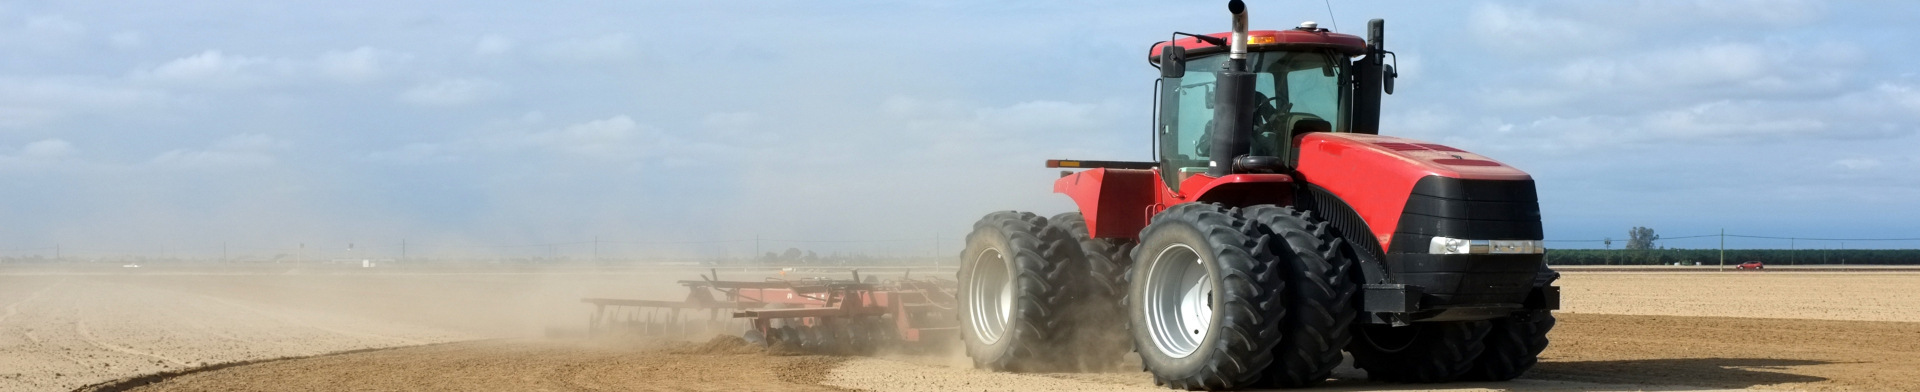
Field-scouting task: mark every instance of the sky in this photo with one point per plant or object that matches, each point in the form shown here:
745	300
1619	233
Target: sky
188	127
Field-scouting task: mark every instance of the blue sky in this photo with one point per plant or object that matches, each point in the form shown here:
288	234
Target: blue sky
137	127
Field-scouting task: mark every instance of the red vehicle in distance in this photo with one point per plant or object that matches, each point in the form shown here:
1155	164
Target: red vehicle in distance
1752	265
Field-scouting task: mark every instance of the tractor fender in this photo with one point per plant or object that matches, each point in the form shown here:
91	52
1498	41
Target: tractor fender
1376	175
1115	202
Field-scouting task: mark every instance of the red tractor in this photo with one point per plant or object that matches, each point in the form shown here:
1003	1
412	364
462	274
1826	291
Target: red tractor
1275	229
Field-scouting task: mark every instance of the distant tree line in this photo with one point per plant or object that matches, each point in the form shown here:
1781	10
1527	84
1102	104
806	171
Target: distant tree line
1642	250
1734	256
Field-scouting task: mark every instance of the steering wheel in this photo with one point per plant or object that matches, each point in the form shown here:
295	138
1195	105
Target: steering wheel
1266	110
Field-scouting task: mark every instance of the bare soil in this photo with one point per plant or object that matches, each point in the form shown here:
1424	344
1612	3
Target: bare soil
1773	293
1619	331
1728	352
525	365
1590	352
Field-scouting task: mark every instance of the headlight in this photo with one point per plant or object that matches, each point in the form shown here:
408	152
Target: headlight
1456	246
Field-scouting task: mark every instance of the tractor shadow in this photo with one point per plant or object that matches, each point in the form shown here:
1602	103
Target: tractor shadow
1641	374
1704	372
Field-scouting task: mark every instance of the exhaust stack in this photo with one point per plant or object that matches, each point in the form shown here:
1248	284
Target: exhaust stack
1238	47
1233	101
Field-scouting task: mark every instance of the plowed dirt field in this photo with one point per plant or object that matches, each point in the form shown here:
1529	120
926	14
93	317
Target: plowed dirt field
515	330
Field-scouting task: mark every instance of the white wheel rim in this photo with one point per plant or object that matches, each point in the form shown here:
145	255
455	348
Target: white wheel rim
1179	301
990	296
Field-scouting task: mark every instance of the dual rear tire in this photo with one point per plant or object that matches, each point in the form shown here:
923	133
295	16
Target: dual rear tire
1227	298
1212	298
1014	279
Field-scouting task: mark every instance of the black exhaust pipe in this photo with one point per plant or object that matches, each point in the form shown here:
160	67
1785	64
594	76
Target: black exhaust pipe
1233	101
1369	80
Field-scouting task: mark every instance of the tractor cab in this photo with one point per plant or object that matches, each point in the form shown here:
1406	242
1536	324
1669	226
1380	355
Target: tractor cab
1304	81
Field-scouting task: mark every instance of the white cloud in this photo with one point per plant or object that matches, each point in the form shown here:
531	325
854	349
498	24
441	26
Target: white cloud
586	50
245	150
731	120
76	92
953	130
451	92
415	153
47	149
214	69
1042	116
37	154
613	138
34	102
1646	14
1746	121
206	64
1611	95
1902	95
127	39
491	44
1526	31
1857	163
55	25
358	65
1741	67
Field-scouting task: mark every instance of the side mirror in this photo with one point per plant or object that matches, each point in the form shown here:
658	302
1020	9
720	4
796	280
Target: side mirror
1387	75
1173	61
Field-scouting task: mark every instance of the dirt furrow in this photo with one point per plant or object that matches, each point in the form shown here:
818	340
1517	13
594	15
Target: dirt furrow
80	327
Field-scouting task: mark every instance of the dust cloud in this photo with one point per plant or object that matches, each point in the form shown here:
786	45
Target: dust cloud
64	326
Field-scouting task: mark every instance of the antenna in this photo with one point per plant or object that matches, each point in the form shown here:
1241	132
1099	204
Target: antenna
1336	21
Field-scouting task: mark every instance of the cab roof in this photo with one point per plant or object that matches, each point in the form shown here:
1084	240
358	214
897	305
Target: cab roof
1264	40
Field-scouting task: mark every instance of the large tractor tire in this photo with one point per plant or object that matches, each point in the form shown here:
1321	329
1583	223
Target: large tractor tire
1204	301
1513	346
1419	353
1315	263
1013	287
1099	332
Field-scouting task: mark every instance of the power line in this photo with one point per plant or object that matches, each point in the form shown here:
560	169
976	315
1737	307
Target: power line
1825	239
1756	236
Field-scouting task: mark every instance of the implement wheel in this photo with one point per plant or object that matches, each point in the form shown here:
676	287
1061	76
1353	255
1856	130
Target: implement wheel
1013	277
1418	353
1205	301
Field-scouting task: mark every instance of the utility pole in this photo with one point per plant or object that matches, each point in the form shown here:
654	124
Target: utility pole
1792	256
1609	252
756	247
596	249
403	249
56	252
1723	249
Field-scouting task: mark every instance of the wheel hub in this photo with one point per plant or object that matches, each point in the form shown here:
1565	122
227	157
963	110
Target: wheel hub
1179	301
990	296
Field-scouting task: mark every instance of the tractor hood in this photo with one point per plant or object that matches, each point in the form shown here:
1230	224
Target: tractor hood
1416	158
1376	175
